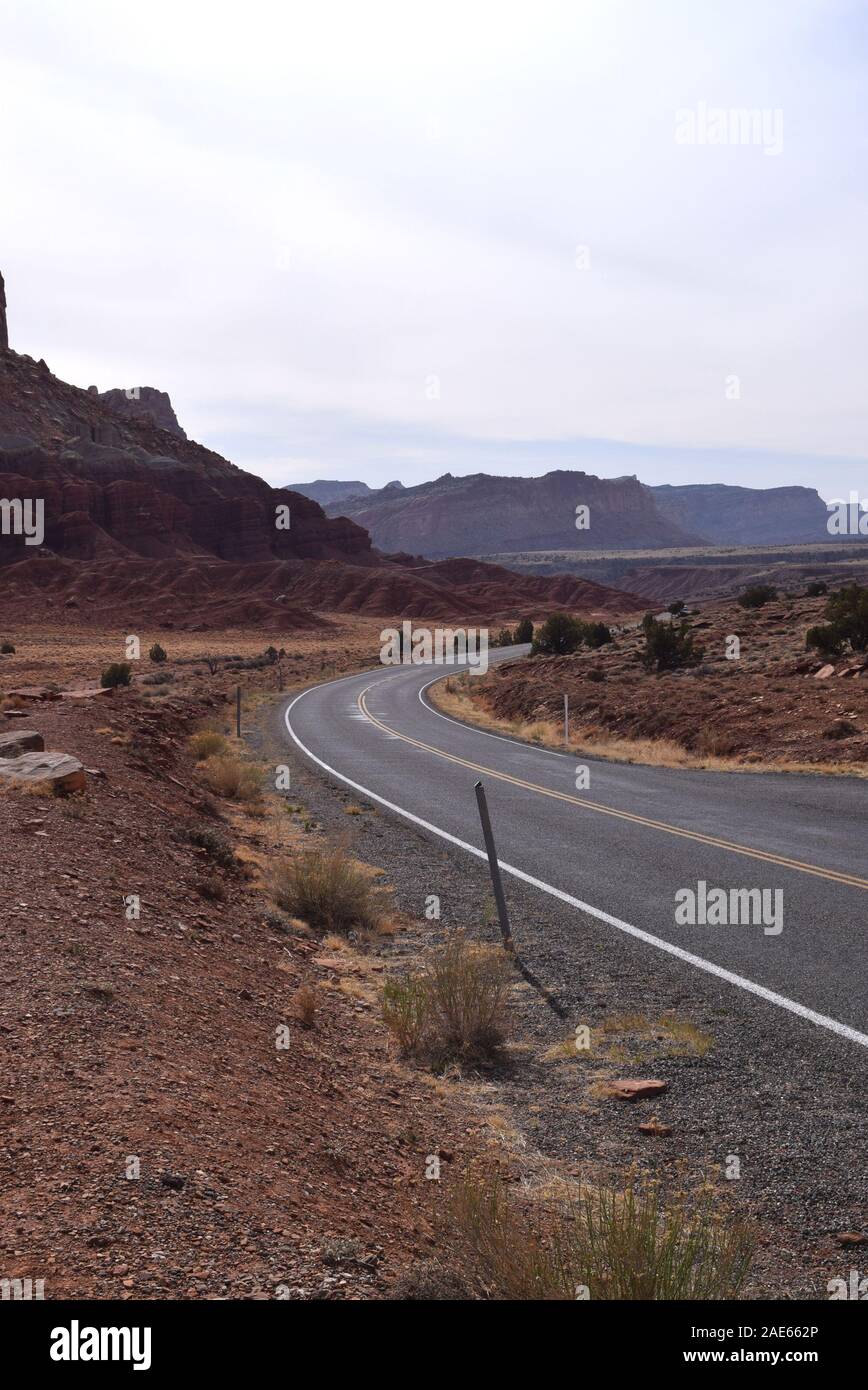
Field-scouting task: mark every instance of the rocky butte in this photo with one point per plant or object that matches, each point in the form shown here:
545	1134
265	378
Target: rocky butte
4	331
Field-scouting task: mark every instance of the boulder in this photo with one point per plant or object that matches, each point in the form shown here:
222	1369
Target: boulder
824	673
21	741
61	772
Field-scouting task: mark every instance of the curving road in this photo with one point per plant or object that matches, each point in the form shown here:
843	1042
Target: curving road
620	850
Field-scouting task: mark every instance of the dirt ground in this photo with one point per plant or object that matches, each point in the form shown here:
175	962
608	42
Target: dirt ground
156	1141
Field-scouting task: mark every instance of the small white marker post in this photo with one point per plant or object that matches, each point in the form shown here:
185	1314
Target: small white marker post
566	720
238	711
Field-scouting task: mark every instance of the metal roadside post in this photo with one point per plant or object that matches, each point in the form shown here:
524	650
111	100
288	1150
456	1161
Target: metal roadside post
495	869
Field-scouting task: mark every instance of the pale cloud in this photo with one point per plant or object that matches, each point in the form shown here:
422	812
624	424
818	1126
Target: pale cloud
295	217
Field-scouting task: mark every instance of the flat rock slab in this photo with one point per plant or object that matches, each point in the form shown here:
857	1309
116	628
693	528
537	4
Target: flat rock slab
34	692
637	1090
63	773
20	741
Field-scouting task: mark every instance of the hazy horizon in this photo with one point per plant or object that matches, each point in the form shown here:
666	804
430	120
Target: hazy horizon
384	243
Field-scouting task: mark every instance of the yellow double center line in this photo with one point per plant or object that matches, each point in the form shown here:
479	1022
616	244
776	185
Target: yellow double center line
851	880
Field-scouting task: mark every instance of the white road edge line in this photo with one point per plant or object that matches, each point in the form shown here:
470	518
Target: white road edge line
740	981
504	738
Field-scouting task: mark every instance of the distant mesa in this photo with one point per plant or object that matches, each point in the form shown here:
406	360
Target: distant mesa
325	490
481	514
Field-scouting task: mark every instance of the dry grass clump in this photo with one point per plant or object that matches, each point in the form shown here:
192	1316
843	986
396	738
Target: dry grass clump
304	1006
229	777
328	890
454	1009
606	1244
207	743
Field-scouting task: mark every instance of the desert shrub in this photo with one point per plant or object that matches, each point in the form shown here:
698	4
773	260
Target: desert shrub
757	595
159	678
677	608
215	845
523	632
207	744
558	636
157	653
304	1006
502	638
455	1007
213	889
668	646
596	634
825	639
848	611
816	588
119	673
229	777
7	649
328	890
842	728
618	1244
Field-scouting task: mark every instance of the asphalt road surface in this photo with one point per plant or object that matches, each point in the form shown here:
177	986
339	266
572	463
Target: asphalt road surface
620	849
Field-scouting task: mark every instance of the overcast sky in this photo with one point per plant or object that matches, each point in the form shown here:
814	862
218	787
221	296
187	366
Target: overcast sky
385	241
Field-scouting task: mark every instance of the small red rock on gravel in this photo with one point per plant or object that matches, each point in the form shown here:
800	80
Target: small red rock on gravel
637	1090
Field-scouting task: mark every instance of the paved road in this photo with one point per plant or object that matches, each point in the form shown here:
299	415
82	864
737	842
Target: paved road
622	848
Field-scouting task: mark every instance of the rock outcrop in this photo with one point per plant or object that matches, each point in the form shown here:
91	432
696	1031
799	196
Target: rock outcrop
114	485
145	403
4	331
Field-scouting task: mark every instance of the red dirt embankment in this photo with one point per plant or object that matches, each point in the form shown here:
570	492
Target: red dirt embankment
775	703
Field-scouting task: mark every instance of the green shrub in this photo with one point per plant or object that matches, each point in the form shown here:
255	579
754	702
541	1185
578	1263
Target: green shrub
757	595
677	608
157	653
816	588
848	611
559	636
119	673
502	638
523	632
596	634
7	649
825	639
668	647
